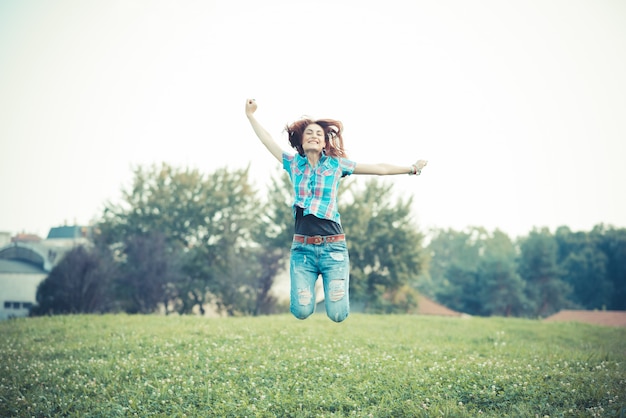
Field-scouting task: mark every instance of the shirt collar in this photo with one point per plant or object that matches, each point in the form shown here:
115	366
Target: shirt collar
302	160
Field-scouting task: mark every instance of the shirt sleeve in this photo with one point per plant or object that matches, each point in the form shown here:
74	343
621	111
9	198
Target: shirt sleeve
287	160
347	166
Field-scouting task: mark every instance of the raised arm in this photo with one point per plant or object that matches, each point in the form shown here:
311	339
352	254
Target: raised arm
383	169
263	135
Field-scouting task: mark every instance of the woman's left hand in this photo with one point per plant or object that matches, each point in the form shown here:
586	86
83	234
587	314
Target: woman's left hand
417	167
421	164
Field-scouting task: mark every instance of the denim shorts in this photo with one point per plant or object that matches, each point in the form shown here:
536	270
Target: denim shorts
331	261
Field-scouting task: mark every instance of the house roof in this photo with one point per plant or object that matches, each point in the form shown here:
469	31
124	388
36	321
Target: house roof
427	306
608	318
44	254
31	253
19	267
69	232
23	237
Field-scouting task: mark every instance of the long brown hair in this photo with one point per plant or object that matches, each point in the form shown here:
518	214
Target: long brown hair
332	132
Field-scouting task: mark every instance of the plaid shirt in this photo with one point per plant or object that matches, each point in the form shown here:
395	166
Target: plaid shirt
315	189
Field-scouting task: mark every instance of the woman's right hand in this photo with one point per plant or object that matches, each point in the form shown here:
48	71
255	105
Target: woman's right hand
250	107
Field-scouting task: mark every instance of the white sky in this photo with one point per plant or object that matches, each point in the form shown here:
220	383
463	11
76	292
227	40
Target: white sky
519	106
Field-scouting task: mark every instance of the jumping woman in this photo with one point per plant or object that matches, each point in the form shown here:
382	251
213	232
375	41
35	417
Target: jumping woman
319	243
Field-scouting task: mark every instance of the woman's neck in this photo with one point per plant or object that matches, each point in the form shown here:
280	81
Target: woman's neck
313	157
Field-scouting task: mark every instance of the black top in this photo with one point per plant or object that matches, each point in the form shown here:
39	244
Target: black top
311	225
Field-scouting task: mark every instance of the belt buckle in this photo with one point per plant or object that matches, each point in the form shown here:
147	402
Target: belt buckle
317	240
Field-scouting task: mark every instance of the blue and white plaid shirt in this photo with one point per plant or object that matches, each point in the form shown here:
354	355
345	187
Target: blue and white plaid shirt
315	189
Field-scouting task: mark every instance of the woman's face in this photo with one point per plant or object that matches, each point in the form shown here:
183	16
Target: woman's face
313	139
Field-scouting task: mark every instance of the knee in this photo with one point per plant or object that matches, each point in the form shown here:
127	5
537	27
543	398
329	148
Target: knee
337	307
302	306
338	316
302	312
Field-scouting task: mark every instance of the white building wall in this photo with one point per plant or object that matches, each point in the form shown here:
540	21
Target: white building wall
5	238
18	291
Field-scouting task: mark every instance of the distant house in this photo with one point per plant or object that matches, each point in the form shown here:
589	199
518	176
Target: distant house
26	260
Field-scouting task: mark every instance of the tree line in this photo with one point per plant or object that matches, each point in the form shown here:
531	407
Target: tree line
181	240
486	273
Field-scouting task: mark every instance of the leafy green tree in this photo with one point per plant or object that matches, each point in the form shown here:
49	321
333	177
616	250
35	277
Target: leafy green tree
547	292
274	236
475	272
385	247
612	242
586	273
270	263
501	289
454	262
585	268
175	202
149	274
207	222
79	283
229	249
276	216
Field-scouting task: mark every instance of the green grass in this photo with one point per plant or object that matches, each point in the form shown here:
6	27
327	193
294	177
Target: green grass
369	365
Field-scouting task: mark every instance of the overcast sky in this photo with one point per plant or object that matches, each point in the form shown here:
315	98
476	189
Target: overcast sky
519	106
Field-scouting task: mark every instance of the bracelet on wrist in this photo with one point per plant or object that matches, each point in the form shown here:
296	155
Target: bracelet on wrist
415	171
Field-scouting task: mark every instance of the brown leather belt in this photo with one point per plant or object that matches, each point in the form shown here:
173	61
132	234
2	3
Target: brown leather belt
318	239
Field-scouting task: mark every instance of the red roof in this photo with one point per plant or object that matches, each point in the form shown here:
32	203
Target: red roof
26	238
427	306
609	318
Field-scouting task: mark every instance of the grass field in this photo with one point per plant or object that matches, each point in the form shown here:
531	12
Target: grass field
278	366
